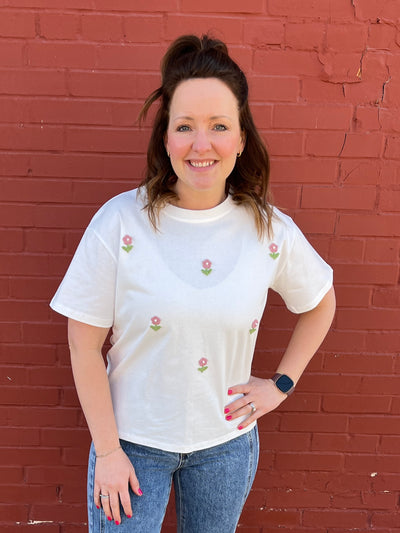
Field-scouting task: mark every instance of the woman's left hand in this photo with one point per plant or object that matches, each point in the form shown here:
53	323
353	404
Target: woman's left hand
262	393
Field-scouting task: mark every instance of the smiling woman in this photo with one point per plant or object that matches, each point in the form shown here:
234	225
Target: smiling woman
180	270
203	140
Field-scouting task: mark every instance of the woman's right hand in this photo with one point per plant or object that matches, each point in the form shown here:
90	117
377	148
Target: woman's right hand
114	473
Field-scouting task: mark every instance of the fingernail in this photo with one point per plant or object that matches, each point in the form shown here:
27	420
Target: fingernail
230	392
109	518
140	492
98	506
226	410
228	417
129	516
116	523
240	427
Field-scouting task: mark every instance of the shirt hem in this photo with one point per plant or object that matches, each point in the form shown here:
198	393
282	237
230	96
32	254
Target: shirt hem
182	448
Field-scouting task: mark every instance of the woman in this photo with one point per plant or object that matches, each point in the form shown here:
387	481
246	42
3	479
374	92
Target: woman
180	270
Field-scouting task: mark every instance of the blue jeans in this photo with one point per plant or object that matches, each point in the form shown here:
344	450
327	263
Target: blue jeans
211	487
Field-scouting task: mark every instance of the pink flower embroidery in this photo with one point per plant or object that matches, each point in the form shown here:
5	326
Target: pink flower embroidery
155	323
206	267
254	325
203	364
127	240
273	248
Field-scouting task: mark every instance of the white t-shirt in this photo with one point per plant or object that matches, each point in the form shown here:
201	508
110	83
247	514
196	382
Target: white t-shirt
184	303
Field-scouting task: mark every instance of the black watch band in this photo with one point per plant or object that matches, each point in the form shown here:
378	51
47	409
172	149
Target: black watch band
284	383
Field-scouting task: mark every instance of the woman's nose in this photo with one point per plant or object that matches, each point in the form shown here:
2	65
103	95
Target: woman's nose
201	142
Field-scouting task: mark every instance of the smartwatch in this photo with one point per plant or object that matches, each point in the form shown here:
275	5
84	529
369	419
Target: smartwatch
284	383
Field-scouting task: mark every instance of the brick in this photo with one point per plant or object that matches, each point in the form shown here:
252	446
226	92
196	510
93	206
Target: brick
12	54
28	396
13	310
262	115
348	250
40	416
47	216
376	425
229	29
11	240
312	116
14	513
308	9
354	364
360	404
316	222
392	149
341	198
295	170
44	241
27	354
128	56
383	341
359	172
19	437
390	174
317	90
386	297
102	140
365	92
112	84
385	520
63	26
33	82
374	9
65	437
344	443
374	319
381	36
369	224
345	343
325	383
271	517
10	332
283	143
309	461
58	513
313	422
144	29
27	137
17	24
363	145
305	36
11	474
386	385
323	143
340	67
390	96
55	377
332	518
390	120
368	118
102	27
297	499
233	6
346	37
34	190
90	192
389	444
72	55
148	6
373	463
53	4
273	88
260	32
286	63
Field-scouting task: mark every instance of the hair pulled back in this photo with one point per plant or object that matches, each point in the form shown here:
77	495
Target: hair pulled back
191	57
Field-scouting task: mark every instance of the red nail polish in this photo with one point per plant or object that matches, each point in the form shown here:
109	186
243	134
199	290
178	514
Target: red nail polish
109	518
240	427
98	506
230	392
129	516
226	410
228	417
116	523
140	492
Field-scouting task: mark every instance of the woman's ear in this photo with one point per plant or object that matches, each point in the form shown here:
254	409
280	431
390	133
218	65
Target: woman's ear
242	141
166	144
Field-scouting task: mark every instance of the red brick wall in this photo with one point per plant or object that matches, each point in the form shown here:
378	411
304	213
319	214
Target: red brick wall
325	89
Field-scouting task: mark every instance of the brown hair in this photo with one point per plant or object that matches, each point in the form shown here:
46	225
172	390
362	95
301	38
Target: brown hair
192	57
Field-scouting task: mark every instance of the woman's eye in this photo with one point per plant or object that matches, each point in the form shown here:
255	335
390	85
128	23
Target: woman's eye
220	127
184	127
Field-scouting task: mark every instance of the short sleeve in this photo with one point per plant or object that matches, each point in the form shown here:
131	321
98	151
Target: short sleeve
87	292
303	277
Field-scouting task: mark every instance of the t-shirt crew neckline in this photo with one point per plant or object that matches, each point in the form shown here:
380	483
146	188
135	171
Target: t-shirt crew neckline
199	215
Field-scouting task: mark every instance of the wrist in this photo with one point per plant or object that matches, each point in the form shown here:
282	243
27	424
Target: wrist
105	453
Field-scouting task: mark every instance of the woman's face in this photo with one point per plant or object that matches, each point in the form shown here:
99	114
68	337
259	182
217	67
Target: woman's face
203	139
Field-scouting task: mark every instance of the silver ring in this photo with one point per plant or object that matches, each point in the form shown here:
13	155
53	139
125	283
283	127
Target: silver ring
253	408
104	495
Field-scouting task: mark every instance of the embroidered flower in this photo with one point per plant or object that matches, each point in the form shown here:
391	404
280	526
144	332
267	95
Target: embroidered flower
273	248
203	364
206	267
127	240
254	325
155	323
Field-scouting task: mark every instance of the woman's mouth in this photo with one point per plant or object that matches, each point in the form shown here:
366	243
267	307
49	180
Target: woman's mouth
201	164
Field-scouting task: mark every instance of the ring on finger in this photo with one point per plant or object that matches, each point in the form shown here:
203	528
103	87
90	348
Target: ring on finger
104	495
253	408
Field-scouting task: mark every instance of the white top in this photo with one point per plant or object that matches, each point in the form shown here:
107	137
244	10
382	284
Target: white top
184	304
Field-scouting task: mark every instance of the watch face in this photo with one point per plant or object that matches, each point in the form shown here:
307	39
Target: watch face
284	383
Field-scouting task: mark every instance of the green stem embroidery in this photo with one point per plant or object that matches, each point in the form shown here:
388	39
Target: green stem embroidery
127	248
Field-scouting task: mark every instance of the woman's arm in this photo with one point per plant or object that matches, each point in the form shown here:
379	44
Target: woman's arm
114	471
308	334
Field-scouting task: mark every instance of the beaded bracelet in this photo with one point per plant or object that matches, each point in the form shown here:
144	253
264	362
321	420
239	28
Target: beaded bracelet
108	453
